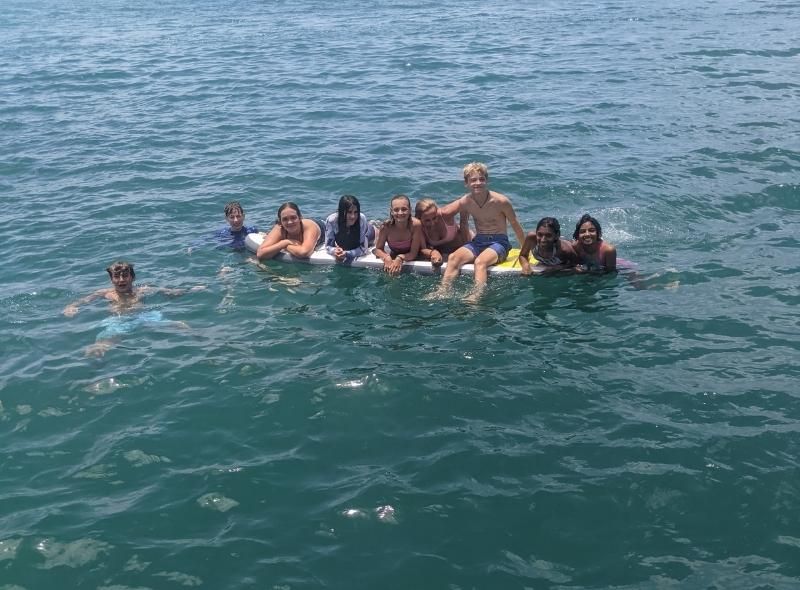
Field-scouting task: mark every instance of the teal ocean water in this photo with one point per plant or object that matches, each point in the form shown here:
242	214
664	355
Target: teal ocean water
328	427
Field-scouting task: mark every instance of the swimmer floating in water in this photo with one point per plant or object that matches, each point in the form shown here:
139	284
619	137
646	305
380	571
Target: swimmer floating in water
550	252
234	235
124	298
594	254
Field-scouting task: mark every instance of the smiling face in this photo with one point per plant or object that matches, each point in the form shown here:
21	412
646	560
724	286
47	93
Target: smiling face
546	237
400	209
587	233
476	183
290	221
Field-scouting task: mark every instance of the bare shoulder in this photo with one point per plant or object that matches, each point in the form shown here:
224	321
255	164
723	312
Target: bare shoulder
499	197
566	246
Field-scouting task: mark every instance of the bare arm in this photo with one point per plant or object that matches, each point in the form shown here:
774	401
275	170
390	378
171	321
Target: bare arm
393	267
417	239
272	244
508	210
72	309
311	234
174	292
380	242
452	208
610	257
525	250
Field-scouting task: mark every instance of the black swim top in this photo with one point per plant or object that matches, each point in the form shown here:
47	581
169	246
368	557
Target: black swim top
553	260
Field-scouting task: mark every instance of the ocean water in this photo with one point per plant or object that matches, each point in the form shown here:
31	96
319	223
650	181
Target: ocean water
328	427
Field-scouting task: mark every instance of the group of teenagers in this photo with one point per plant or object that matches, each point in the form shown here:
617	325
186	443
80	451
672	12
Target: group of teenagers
436	233
431	233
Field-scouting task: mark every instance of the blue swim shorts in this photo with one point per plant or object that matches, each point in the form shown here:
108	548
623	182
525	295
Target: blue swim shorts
497	242
120	325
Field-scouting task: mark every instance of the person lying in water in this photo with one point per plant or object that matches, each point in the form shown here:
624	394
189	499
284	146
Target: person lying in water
594	254
550	251
292	233
124	298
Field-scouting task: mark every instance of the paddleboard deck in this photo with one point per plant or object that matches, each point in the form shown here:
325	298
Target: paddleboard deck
321	257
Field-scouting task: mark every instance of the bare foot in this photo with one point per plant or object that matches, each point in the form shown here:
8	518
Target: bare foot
475	295
441	292
98	349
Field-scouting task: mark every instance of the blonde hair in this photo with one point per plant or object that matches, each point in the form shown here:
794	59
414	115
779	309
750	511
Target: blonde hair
422	206
478	167
391	220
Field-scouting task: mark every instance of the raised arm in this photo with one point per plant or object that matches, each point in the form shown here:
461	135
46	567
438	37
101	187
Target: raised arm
452	208
311	233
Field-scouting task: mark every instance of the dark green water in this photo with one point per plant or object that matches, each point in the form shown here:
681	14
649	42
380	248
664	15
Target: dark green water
327	427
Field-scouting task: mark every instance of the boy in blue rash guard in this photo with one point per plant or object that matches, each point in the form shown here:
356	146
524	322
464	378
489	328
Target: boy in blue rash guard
348	235
234	235
124	298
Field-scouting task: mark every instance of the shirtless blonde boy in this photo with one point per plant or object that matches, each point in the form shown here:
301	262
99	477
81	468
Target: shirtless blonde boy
492	212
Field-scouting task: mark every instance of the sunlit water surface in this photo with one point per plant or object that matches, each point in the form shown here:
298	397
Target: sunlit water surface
328	427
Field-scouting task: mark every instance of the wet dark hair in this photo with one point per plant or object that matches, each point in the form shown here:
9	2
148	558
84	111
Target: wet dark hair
586	217
120	265
345	203
233	206
289	205
552	223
